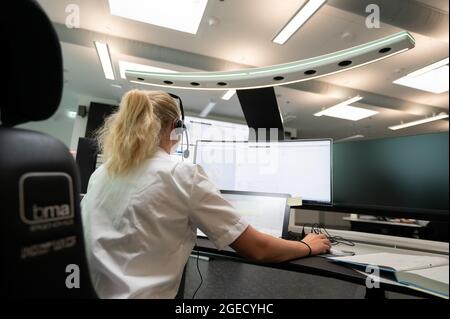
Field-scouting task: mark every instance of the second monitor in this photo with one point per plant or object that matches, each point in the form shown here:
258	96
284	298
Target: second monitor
300	168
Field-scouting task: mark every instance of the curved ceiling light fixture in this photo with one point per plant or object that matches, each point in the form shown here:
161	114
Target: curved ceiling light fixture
280	74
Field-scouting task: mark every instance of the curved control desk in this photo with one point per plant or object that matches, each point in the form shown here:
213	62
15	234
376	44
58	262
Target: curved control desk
322	267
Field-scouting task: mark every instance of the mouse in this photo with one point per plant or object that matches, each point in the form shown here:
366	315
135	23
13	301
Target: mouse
337	252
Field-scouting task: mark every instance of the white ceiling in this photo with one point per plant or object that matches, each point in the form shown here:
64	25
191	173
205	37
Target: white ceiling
243	35
438	4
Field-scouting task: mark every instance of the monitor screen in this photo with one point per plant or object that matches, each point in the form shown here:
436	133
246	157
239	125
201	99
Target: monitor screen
267	213
409	172
205	129
300	168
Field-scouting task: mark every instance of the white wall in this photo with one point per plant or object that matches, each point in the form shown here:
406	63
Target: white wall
69	130
60	125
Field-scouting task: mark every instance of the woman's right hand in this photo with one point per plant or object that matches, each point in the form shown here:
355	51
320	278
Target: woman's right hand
319	243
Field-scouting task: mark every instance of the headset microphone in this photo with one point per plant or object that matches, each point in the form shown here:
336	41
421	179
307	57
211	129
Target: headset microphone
180	127
186	152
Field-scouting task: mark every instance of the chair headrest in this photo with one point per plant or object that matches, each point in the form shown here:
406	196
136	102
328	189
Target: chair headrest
33	64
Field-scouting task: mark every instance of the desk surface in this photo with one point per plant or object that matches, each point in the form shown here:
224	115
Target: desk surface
322	266
383	222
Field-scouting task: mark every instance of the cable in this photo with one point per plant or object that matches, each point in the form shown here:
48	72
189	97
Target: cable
182	148
335	240
200	274
320	229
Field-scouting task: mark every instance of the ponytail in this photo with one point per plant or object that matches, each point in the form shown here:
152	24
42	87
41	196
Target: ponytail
132	134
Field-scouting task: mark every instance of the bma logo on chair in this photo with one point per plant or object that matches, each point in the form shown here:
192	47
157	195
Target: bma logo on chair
34	205
54	212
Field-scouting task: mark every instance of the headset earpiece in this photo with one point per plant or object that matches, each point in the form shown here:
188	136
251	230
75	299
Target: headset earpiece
179	127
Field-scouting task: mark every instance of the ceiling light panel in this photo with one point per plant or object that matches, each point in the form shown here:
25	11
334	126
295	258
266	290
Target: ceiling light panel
347	112
419	122
209	107
298	20
344	103
350	138
180	15
432	78
105	60
228	95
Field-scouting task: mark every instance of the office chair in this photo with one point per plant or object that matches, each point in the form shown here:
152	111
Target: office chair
42	245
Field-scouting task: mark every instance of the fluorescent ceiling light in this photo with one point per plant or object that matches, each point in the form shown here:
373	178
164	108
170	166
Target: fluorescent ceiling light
434	81
350	138
208	109
105	59
423	121
129	66
430	67
180	15
345	111
298	20
228	95
432	78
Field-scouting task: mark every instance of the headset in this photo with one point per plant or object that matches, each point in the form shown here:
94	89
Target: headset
180	127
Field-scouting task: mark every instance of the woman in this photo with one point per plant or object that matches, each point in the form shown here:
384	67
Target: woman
141	210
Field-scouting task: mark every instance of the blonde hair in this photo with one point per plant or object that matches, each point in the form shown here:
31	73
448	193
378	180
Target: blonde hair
132	134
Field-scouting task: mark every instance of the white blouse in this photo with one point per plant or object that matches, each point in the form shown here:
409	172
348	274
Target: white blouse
140	229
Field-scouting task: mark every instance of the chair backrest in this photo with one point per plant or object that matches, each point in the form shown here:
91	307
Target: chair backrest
42	244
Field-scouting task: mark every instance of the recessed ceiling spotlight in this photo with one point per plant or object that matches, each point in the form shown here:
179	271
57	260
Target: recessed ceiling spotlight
345	63
385	50
310	72
213	21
